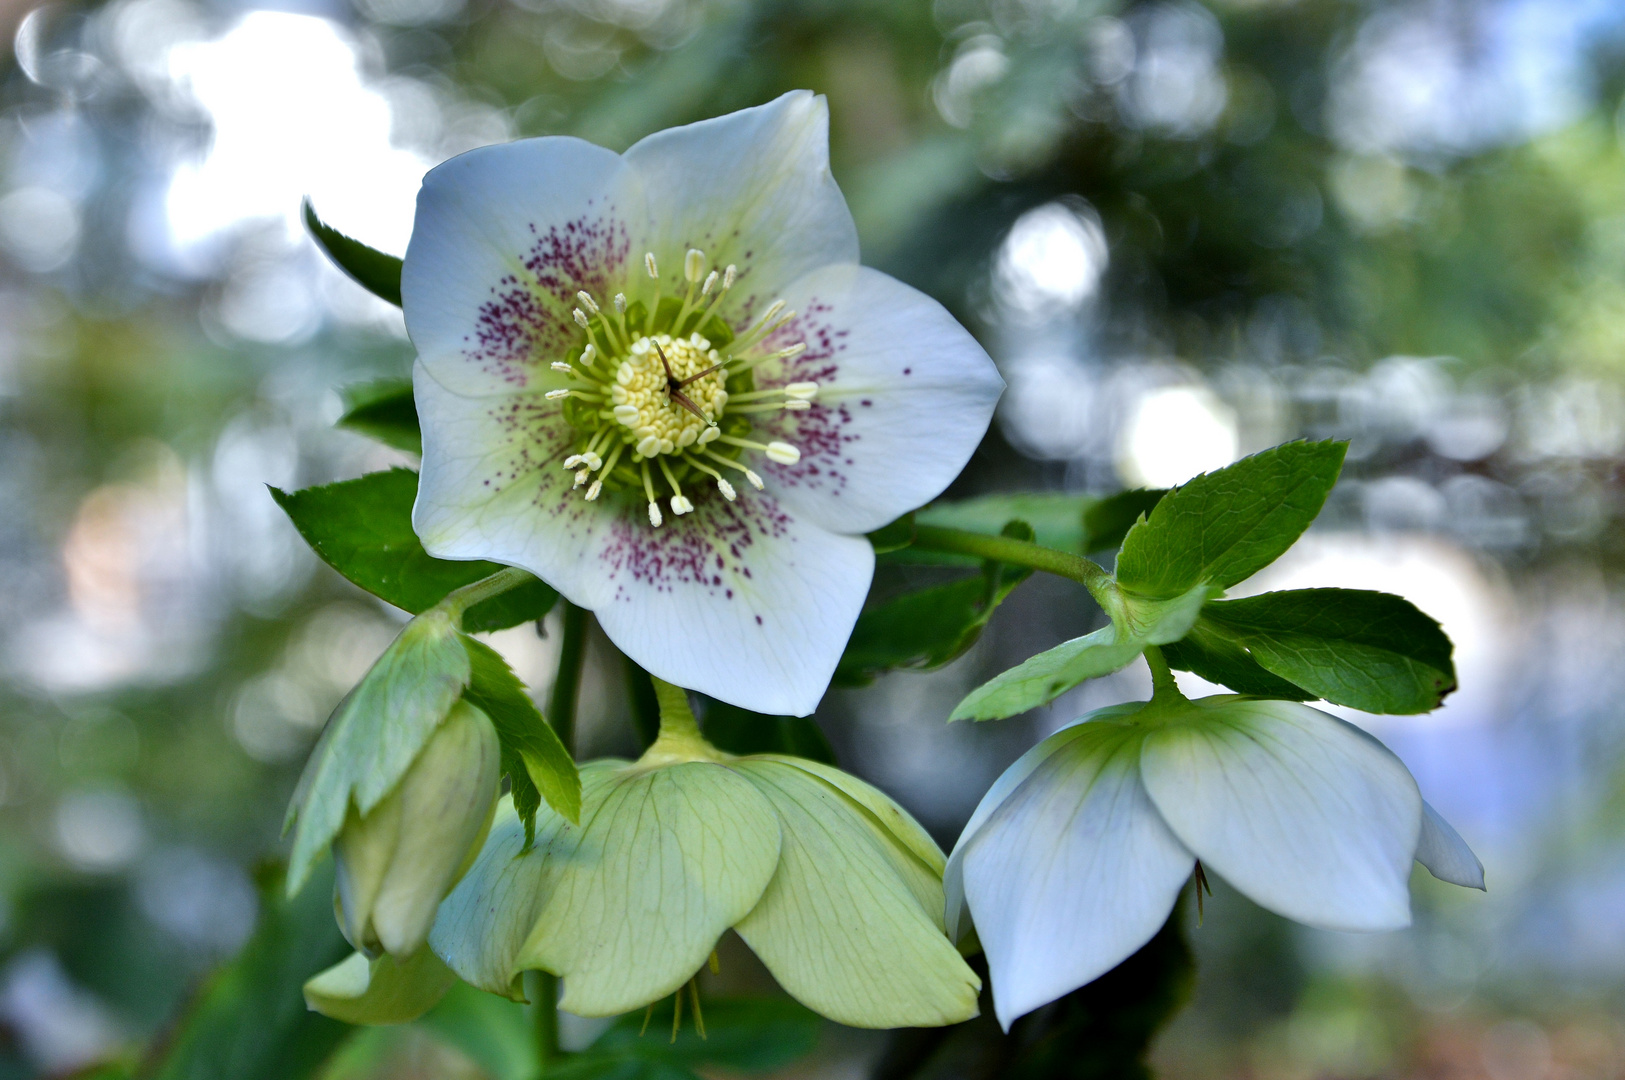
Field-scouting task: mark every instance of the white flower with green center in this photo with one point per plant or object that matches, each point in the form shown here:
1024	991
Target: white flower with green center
1076	855
661	382
835	888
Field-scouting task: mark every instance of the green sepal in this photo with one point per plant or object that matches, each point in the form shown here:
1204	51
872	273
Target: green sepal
363	529
1368	650
537	763
382	991
1136	623
740	731
746	1035
1225	526
930	627
383	409
895	536
374	271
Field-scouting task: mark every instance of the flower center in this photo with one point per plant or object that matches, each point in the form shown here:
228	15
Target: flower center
664	393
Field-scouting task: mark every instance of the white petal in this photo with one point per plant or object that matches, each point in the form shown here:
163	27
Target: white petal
743	601
905	395
953	878
752	188
1446	855
504	238
1307	815
1073	872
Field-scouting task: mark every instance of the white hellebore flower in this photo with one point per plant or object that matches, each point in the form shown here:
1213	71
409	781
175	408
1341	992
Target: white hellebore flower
1077	854
661	382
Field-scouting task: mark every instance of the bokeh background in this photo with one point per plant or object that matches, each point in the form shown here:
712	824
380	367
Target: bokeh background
1184	231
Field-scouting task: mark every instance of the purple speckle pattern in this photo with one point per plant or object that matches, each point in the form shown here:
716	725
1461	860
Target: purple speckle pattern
527	319
824	433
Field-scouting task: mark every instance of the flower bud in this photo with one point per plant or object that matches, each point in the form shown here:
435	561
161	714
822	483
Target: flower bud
398	861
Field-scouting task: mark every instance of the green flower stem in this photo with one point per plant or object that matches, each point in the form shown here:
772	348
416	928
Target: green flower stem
1006	549
561	705
544	998
680	738
459	601
1162	678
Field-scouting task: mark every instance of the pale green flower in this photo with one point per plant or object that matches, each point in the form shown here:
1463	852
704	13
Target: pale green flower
662	382
1076	855
835	888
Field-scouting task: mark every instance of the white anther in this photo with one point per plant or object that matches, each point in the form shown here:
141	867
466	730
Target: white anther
554	395
710	280
728	276
709	435
618	394
592	461
649	446
649	264
680	505
794	350
581	318
801	391
592	492
772	311
588	354
587	301
727	489
654	510
581	478
624	373
561	367
794	405
755	481
572	461
627	414
783	453
693	264
620	303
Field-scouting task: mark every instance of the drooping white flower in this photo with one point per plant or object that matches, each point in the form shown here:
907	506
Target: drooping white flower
660	381
1077	854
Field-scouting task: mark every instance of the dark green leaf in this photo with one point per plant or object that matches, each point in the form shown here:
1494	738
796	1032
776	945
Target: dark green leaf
1225	526
740	731
1367	650
746	1035
494	1032
363	529
930	627
524	733
893	537
1217	657
249	1021
1108	520
374	271
384	410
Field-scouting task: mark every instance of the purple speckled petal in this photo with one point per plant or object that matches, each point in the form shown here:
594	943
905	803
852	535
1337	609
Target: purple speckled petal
745	601
752	188
504	238
905	396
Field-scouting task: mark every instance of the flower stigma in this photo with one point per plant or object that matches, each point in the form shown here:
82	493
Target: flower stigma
664	395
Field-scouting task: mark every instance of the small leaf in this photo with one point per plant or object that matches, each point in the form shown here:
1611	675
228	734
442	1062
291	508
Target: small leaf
363	529
1225	526
740	731
384	410
374	271
1368	650
1219	658
930	627
523	731
1108	520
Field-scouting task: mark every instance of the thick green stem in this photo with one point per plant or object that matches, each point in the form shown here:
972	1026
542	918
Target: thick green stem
561	704
459	601
1162	678
544	1003
680	738
1007	549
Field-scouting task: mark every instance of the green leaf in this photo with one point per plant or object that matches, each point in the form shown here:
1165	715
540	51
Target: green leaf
748	1035
494	1032
249	1021
363	529
1219	658
1056	517
1367	650
1108	520
928	628
740	731
545	766
374	271
1136	623
1225	526
893	537
384	410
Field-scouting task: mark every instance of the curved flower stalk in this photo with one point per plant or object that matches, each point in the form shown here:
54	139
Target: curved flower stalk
1076	855
834	887
661	382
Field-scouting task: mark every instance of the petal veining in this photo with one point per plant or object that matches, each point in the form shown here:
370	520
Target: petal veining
1305	814
1073	872
904	397
504	238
